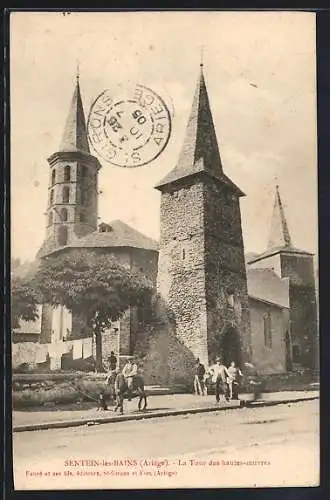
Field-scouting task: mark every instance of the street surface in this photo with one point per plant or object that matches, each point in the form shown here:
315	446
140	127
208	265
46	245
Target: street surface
268	446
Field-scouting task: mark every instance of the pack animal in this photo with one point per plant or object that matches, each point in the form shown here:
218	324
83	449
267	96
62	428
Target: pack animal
120	391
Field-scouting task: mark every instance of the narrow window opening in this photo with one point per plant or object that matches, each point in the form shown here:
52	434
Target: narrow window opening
67	173
66	194
64	214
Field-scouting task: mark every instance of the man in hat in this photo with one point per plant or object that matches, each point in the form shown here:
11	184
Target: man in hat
130	371
199	378
221	375
112	361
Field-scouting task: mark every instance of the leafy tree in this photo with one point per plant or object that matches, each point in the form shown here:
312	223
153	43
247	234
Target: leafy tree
92	285
24	301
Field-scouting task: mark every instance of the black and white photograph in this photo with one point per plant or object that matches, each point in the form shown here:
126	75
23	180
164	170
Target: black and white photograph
164	250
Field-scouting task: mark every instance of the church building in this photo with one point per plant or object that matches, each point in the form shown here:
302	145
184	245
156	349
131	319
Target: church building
211	299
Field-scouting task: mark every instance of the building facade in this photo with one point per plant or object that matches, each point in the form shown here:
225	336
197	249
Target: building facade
202	276
297	267
209	301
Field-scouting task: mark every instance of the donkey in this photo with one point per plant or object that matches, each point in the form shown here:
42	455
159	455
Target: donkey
120	390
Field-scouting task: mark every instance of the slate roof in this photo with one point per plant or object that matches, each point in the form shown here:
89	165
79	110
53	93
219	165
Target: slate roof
273	251
200	151
122	235
265	285
75	131
279	235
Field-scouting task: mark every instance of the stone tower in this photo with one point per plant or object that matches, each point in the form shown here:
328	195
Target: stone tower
73	177
72	202
202	275
297	266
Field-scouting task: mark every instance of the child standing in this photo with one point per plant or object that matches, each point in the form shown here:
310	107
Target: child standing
233	375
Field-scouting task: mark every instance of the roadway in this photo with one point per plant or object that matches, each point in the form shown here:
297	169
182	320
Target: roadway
248	447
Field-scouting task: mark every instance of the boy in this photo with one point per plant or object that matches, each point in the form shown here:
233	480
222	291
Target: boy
233	374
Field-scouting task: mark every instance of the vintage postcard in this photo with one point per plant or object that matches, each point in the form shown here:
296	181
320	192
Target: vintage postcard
164	271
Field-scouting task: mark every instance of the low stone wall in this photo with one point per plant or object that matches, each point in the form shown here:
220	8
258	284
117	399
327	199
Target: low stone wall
52	389
291	381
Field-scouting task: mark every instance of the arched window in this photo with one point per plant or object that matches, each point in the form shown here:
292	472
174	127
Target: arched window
53	176
50	218
183	254
268	330
51	197
67	173
64	214
62	235
66	194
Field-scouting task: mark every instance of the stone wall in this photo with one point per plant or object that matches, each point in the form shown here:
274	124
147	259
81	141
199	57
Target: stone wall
202	265
165	359
181	272
304	324
226	283
145	262
268	360
303	309
299	268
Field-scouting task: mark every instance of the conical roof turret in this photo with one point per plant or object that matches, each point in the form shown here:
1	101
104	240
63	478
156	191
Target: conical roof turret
75	132
279	235
200	151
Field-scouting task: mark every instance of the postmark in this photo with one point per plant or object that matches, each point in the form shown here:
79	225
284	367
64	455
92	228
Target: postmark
131	131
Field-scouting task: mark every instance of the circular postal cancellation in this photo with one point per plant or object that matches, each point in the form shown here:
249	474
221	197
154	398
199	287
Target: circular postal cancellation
130	131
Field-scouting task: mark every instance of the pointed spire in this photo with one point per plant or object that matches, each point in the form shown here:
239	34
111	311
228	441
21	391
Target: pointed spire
279	233
200	150
75	132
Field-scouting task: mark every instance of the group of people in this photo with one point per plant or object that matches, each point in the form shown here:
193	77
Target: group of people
129	371
226	379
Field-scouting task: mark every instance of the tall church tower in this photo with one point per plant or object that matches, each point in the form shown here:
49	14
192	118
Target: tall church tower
298	267
73	178
202	276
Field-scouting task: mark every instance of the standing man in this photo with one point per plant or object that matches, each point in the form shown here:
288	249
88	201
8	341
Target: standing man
112	361
233	380
199	378
220	375
129	371
112	373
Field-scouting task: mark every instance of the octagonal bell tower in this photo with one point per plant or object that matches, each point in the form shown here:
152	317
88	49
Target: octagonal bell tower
73	183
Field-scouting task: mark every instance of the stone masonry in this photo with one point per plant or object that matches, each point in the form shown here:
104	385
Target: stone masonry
201	273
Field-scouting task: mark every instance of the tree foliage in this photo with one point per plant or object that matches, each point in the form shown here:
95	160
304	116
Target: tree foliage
24	301
93	285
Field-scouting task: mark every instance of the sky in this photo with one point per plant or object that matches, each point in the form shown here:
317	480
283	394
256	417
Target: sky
260	73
